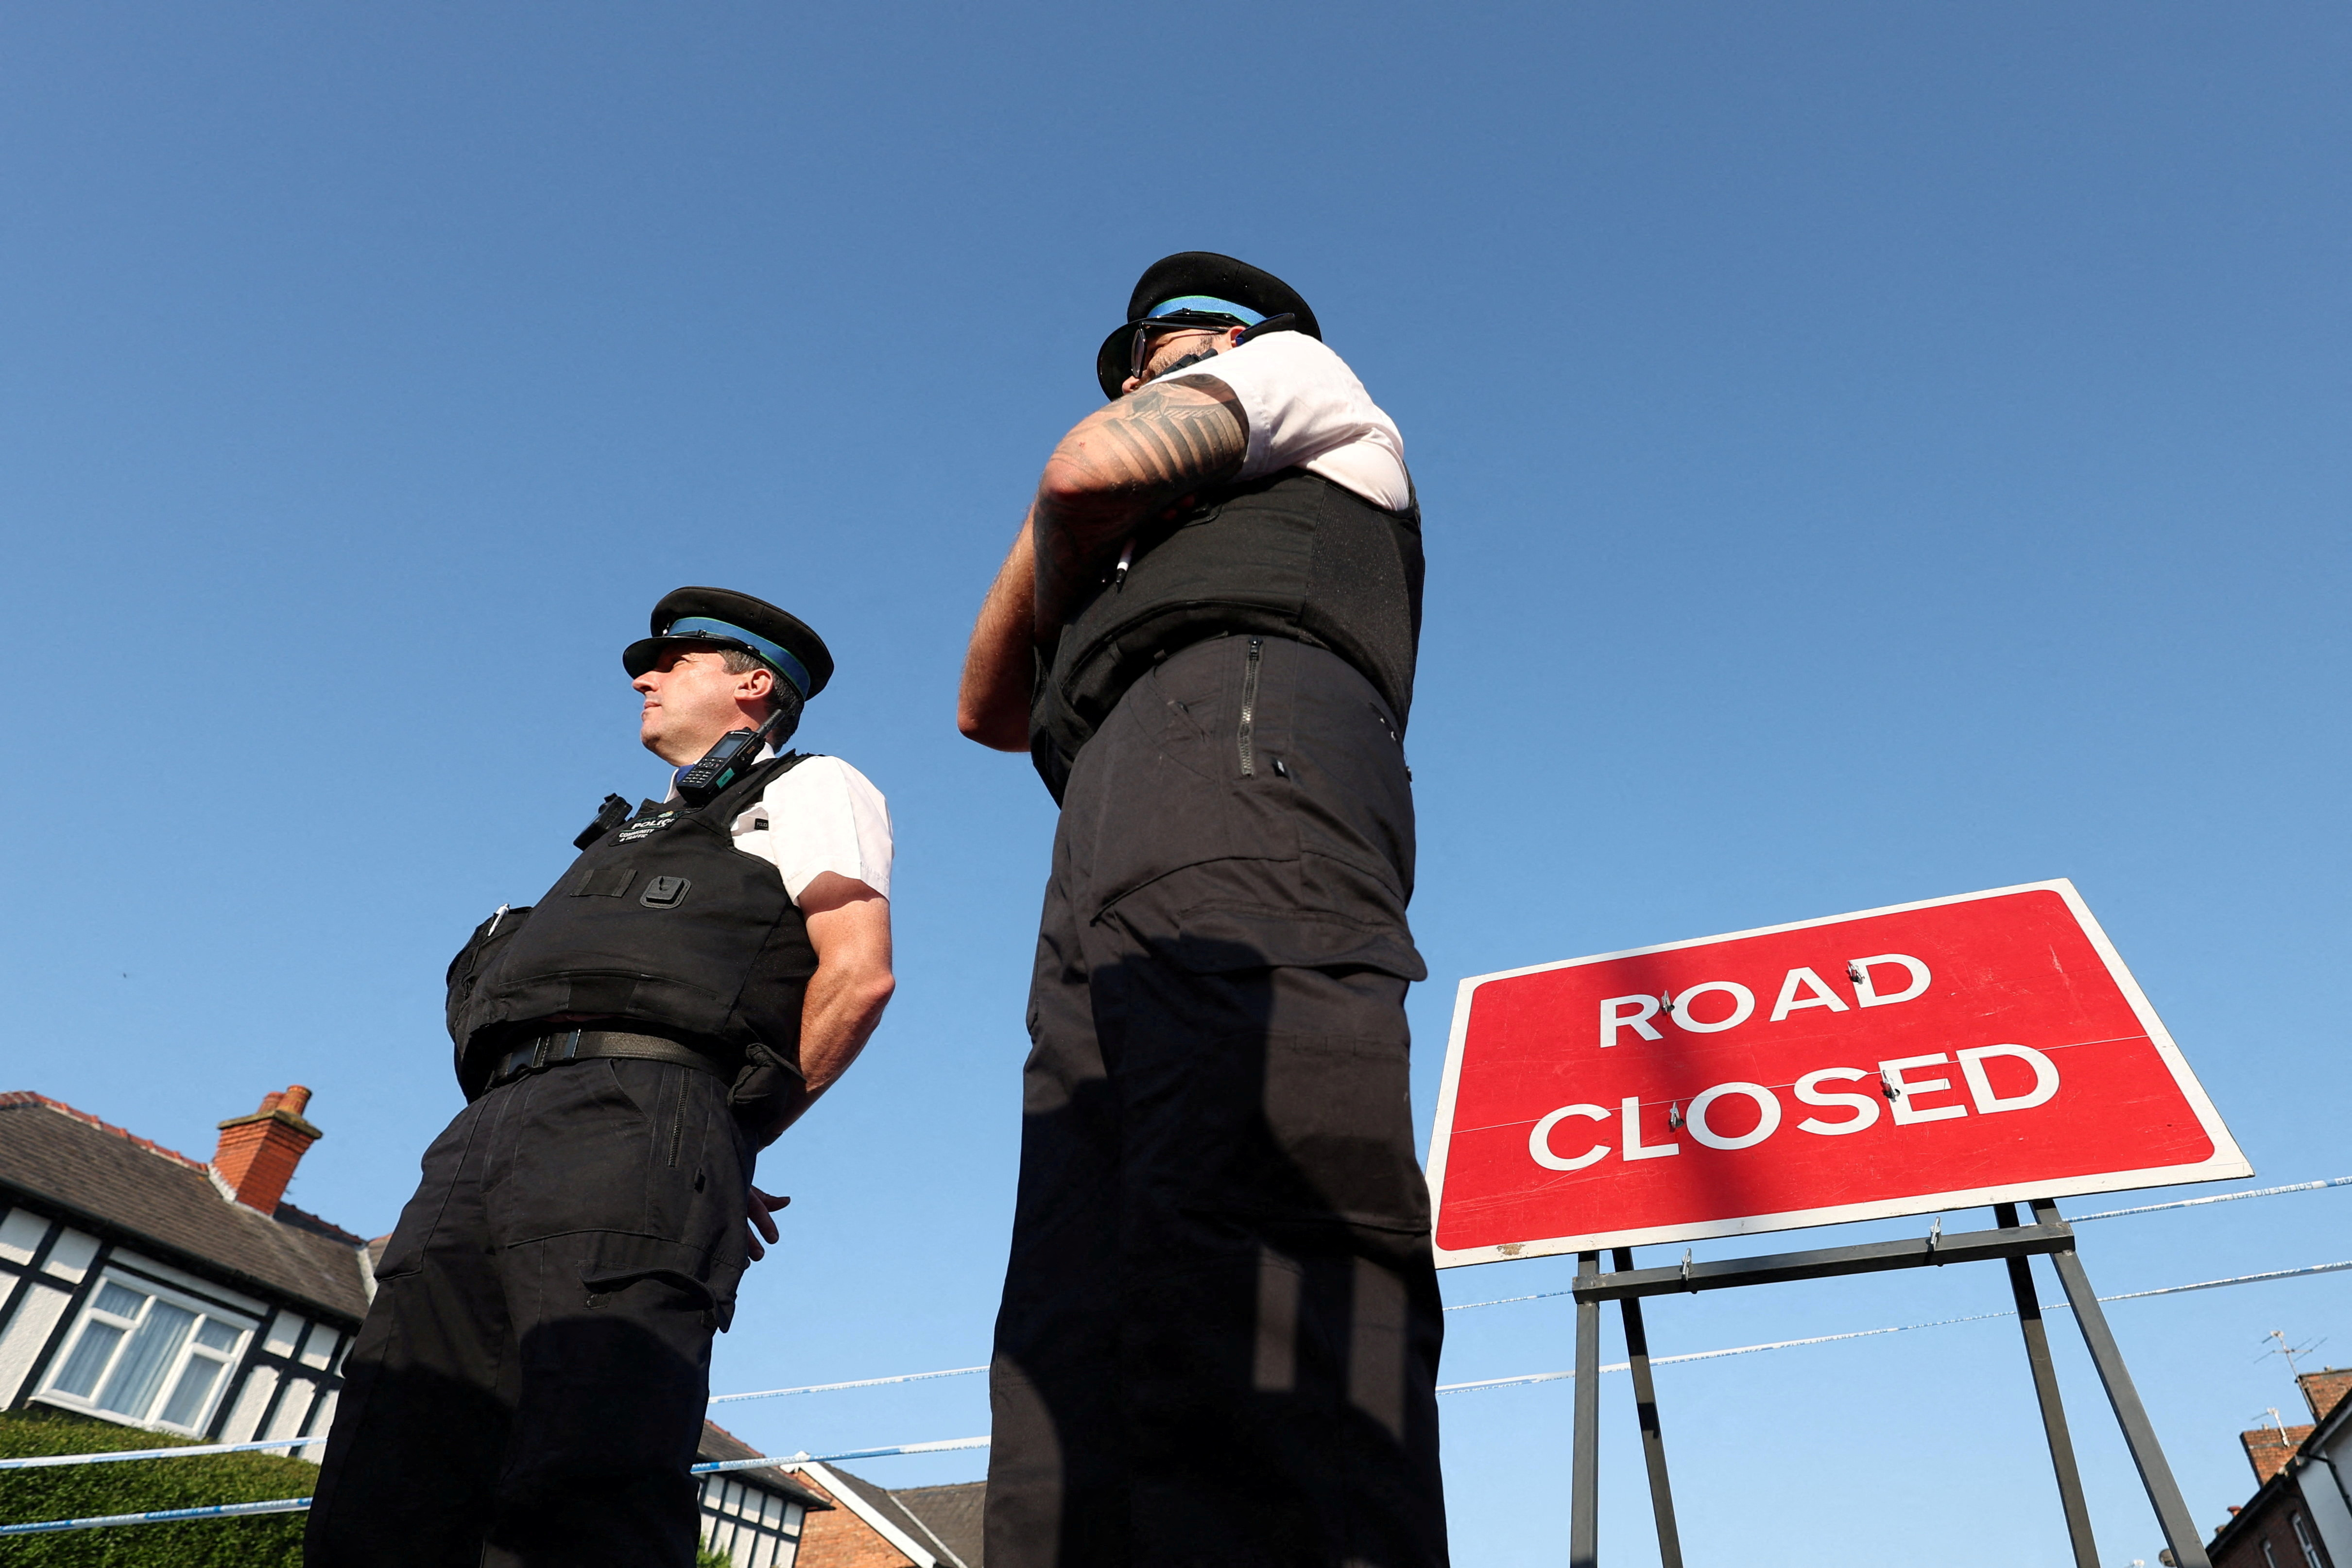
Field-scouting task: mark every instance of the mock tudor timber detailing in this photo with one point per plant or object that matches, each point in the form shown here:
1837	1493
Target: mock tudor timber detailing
1293	555
662	922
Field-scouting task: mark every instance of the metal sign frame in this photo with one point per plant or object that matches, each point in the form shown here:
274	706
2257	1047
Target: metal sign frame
2013	1243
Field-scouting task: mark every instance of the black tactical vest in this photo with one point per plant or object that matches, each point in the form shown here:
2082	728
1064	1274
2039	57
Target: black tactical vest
662	922
1291	555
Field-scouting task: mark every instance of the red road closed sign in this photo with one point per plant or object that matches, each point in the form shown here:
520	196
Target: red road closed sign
1934	1056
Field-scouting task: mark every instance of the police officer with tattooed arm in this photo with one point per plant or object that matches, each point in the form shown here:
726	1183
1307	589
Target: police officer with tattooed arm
1219	1334
528	1387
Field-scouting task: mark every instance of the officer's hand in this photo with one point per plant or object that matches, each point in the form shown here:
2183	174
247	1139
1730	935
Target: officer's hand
760	1207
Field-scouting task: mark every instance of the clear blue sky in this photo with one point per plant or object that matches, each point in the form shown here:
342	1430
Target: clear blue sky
1870	452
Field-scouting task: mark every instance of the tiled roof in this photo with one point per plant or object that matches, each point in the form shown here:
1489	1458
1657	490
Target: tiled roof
164	1203
717	1443
955	1530
952	1515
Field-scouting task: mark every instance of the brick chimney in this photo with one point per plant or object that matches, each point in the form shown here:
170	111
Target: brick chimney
2268	1448
258	1153
2326	1389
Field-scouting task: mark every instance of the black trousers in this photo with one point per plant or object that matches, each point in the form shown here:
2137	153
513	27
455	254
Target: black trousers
529	1385
1220	1330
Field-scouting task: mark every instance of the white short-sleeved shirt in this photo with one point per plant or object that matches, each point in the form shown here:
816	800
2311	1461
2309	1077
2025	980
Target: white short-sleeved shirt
823	816
1307	410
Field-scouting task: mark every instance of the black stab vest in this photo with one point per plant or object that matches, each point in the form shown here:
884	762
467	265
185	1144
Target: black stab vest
662	923
1291	555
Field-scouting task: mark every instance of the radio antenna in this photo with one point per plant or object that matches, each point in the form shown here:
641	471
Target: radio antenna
2287	1354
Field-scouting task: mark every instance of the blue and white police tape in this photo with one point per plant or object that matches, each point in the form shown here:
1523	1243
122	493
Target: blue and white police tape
162	1516
946	1445
2213	1284
295	1504
1898	1328
2216	1198
855	1383
1550	1295
116	1456
2073	1219
942	1446
284	1505
1708	1355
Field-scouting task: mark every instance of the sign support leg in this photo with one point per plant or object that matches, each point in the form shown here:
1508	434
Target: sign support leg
2045	1390
1584	1486
2180	1532
1645	1406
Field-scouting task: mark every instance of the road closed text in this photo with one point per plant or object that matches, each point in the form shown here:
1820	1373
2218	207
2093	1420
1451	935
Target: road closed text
1833	1102
1801	988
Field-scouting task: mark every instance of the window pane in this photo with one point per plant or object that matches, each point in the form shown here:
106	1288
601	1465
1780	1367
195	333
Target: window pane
195	1387
140	1373
88	1359
213	1334
122	1303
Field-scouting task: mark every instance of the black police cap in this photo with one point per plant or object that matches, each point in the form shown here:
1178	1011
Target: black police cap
1198	272
720	617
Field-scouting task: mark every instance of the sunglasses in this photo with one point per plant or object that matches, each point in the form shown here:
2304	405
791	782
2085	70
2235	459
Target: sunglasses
1152	327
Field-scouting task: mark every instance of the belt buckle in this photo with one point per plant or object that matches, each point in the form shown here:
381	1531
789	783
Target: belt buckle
535	1053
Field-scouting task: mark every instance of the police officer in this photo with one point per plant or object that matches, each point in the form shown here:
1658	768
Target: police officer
529	1385
1219	1336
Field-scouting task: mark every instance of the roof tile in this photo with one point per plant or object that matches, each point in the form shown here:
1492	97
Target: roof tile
167	1203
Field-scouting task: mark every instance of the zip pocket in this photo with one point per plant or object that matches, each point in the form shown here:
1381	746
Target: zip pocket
1249	705
677	1122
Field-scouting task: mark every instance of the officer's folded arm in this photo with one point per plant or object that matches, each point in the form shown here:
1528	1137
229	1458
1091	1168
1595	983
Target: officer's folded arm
850	928
1118	468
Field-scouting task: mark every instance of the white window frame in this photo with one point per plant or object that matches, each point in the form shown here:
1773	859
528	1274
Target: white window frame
2304	1542
744	1532
189	1350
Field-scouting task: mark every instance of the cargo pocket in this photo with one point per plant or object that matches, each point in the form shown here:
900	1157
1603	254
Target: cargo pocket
689	1294
1339	1111
1263	1062
1300	1140
1307	912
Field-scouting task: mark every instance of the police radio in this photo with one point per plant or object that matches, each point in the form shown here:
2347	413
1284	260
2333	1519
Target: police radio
729	760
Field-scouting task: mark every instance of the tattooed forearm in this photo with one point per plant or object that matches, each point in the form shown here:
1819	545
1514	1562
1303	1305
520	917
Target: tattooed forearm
1125	466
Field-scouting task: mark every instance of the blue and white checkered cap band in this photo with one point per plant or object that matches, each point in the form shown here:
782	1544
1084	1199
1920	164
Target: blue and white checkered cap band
788	667
1206	302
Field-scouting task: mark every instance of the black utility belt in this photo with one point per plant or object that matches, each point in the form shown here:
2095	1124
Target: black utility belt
541	1052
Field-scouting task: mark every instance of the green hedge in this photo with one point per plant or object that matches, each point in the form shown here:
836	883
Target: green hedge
142	1486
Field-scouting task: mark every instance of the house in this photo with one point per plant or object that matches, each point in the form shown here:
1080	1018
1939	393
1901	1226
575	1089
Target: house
144	1288
2302	1515
873	1526
150	1290
757	1516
